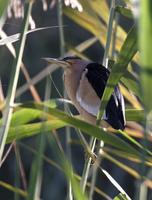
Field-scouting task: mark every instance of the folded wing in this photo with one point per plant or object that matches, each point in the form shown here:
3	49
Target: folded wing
90	91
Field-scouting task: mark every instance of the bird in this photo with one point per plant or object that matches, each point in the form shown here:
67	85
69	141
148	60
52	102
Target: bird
85	82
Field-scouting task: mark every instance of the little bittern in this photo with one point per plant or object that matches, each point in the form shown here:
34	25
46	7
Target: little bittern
85	83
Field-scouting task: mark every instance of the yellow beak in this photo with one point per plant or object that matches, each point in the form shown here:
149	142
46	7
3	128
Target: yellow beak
61	63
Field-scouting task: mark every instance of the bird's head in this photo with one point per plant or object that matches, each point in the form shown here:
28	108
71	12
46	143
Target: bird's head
70	62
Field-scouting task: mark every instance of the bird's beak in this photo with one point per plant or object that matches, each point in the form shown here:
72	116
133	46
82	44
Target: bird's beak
61	63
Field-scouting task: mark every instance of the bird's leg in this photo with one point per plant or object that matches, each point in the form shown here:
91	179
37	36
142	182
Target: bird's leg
89	154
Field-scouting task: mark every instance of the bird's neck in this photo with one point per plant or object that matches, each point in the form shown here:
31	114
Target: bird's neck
71	80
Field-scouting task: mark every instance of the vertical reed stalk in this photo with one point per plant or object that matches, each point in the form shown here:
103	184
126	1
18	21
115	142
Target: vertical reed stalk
87	165
145	41
34	189
14	80
108	43
62	52
105	63
109	34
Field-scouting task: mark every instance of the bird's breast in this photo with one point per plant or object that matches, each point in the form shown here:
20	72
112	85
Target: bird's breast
72	81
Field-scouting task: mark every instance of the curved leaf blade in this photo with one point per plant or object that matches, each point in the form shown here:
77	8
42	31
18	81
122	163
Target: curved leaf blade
90	129
126	54
29	130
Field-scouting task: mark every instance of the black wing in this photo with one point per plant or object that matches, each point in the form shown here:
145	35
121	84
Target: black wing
97	76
